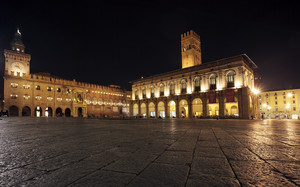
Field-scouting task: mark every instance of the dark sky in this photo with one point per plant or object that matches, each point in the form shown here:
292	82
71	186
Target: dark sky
119	41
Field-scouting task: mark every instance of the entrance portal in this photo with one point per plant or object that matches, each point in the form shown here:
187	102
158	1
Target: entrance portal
38	111
80	112
58	112
26	111
48	112
13	111
68	112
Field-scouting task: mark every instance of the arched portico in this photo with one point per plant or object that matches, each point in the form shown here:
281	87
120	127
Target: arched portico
13	111
197	107
183	108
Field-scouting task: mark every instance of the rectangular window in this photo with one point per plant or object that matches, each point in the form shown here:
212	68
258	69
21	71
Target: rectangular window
38	98
275	102
275	97
26	97
59	99
26	86
152	92
172	89
294	108
14	85
276	109
49	98
283	93
49	88
294	102
283	97
284	102
13	96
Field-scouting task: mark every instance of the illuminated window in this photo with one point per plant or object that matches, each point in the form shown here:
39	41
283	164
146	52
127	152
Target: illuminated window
197	84
172	88
49	88
68	99
58	90
144	93
14	85
136	94
230	80
94	101
152	91
38	98
38	87
59	99
49	98
212	82
100	102
26	97
68	91
162	90
183	87
26	86
13	96
111	102
88	100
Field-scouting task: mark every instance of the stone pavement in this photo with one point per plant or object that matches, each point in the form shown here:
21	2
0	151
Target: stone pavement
93	152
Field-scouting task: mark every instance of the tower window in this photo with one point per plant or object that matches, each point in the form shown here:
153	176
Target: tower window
38	87
152	91
58	90
136	94
49	88
14	85
13	96
144	93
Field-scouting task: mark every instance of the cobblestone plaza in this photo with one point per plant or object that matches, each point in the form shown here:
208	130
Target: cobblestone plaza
93	152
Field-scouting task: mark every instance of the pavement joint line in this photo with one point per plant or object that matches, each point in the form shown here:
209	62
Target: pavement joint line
193	155
155	159
89	173
227	158
273	168
118	171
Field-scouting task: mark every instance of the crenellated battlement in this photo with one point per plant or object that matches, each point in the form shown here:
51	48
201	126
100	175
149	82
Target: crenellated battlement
189	34
9	54
52	80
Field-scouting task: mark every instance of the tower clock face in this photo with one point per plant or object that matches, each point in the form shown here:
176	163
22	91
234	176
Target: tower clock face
17	67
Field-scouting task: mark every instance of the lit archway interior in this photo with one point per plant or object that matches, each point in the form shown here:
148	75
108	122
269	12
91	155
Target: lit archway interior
48	112
151	108
143	109
172	109
183	108
135	109
161	109
197	108
231	108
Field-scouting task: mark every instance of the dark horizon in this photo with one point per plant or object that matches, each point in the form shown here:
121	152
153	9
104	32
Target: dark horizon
122	41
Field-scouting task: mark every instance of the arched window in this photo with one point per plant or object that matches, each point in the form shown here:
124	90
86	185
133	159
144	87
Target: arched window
100	101
38	87
183	86
230	79
58	90
212	82
49	88
88	100
162	90
136	94
172	88
197	84
152	91
144	93
94	101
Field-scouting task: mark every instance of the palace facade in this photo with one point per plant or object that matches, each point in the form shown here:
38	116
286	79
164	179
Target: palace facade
280	104
41	94
223	88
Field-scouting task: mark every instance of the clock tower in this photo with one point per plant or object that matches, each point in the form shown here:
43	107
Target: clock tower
16	60
190	49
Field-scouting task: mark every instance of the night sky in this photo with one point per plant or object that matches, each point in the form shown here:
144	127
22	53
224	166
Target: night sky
120	41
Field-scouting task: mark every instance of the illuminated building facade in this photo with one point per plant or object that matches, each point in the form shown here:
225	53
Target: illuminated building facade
223	88
280	104
41	94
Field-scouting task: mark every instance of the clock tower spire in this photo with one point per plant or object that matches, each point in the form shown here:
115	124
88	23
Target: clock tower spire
17	62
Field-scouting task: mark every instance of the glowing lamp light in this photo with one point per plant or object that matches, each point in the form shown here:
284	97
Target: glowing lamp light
238	84
255	91
269	107
289	95
264	105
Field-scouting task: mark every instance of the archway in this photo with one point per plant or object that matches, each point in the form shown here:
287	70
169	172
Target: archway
38	111
80	112
161	109
13	111
58	112
143	110
68	112
197	108
172	109
135	109
26	111
183	108
151	109
48	112
231	108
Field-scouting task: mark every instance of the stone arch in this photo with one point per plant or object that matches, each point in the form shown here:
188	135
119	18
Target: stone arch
197	107
13	111
26	111
183	108
68	112
161	110
58	112
135	109
151	109
172	109
48	112
143	110
80	112
38	112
